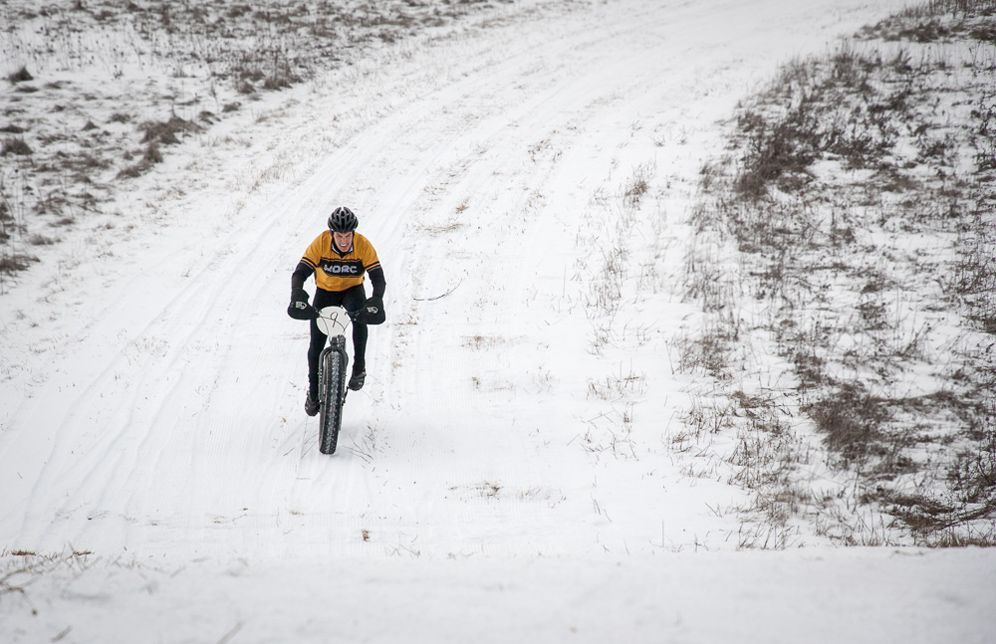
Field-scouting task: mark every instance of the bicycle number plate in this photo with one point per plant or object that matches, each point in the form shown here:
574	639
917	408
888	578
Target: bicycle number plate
332	321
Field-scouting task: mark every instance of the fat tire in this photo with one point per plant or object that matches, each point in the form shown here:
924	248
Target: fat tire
333	394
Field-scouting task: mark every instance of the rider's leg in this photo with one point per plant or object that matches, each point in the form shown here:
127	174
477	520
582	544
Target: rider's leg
352	300
314	353
318	339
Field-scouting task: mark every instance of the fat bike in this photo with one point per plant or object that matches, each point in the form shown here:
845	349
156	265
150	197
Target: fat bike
334	321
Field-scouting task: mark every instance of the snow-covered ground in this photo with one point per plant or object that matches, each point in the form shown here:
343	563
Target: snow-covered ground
808	595
515	468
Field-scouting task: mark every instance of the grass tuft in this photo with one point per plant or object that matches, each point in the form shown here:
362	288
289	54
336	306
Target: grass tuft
13	263
22	75
165	132
15	145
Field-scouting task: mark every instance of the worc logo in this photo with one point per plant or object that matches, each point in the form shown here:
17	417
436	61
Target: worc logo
342	268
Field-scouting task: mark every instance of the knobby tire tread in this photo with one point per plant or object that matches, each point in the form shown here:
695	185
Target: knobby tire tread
334	369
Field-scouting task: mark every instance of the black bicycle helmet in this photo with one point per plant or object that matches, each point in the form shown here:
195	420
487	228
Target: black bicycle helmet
342	220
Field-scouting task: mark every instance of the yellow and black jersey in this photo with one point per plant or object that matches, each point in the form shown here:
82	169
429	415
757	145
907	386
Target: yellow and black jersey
338	271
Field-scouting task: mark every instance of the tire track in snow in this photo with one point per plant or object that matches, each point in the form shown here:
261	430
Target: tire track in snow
419	177
429	388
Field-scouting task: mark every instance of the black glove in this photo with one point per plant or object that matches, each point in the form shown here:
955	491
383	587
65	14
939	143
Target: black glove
299	309
373	311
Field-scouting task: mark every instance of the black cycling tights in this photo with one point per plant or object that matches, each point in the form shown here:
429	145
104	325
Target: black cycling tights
351	299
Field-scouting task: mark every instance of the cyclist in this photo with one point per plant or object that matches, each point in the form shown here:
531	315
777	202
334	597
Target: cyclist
338	258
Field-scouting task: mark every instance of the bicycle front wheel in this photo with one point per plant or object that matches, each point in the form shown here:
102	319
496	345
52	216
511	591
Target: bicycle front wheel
333	389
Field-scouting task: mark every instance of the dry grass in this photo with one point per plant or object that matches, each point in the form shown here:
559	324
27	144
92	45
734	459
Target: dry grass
206	62
15	145
843	165
20	567
638	186
20	76
14	262
165	132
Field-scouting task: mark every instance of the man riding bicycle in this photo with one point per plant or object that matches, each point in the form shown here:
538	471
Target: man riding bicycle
338	258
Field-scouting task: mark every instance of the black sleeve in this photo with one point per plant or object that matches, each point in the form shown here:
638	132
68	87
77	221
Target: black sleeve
301	273
377	281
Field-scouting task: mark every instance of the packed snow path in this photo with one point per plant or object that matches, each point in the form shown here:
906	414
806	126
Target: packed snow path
522	402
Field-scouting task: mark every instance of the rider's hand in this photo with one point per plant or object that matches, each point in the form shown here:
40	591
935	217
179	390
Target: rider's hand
299	307
299	295
373	310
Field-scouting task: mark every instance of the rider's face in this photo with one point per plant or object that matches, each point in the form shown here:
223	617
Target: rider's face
343	240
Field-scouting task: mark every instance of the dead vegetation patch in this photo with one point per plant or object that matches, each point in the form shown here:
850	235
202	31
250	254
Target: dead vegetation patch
15	145
165	132
14	262
149	157
862	201
198	65
22	75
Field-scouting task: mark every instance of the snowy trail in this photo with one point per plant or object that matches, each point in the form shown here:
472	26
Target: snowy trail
511	411
495	158
792	596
